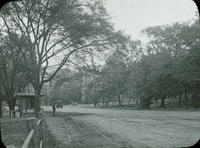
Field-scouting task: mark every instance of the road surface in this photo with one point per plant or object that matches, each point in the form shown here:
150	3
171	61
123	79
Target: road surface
83	127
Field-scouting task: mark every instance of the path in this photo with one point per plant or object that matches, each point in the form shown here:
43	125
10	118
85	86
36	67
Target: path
91	127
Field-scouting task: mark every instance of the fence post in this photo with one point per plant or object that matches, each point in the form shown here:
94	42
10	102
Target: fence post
32	124
40	127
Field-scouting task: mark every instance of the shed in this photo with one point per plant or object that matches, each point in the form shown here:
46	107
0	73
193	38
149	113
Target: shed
25	101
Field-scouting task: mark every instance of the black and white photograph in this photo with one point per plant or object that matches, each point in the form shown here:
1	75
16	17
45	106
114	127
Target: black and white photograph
100	73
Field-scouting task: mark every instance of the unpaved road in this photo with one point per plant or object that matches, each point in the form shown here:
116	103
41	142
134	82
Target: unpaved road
81	127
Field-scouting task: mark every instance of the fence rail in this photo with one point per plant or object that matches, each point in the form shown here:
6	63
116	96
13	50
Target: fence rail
35	136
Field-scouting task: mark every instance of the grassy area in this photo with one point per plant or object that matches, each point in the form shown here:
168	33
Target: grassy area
15	130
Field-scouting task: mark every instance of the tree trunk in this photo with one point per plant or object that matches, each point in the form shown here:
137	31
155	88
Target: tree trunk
95	103
195	96
37	102
119	100
194	100
162	103
129	97
1	112
186	98
179	100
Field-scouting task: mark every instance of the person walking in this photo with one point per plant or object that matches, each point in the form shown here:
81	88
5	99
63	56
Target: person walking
54	109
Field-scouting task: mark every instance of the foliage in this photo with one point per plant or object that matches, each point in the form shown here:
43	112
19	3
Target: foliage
11	79
167	68
57	29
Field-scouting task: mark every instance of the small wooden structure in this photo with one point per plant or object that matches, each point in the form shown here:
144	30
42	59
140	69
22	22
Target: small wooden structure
26	98
25	101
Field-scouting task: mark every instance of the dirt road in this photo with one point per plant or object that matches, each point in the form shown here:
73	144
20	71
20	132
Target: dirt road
80	127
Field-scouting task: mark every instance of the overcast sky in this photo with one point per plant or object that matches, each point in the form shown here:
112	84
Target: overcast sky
134	15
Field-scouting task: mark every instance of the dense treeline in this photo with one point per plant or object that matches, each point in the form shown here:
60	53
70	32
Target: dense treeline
166	69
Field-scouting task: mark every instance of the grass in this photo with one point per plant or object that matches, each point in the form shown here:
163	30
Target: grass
14	130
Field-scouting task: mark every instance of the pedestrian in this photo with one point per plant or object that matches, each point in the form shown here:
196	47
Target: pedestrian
54	109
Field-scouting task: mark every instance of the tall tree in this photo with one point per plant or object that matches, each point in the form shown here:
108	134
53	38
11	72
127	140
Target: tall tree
57	28
10	76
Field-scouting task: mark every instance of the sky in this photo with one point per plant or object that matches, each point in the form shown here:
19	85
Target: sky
132	16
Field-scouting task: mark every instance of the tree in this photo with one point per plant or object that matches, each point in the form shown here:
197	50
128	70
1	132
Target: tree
2	97
168	48
57	28
112	78
10	76
68	92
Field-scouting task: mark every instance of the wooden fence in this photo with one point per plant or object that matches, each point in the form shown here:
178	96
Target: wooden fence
35	137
